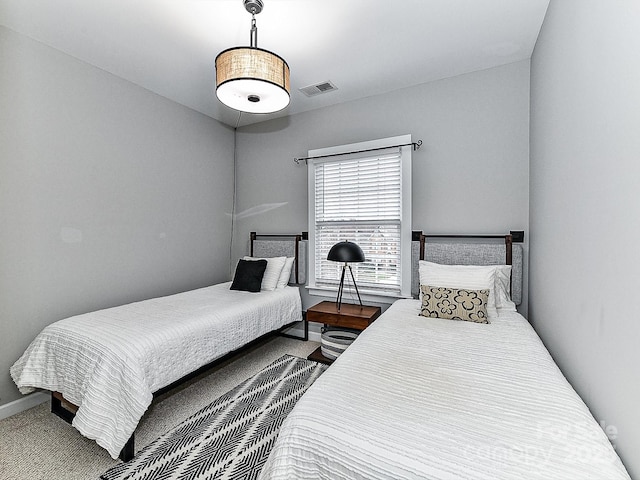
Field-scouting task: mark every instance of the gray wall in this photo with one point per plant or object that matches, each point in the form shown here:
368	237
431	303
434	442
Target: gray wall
470	176
108	194
585	206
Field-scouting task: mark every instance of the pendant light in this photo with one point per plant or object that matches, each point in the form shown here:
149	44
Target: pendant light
250	79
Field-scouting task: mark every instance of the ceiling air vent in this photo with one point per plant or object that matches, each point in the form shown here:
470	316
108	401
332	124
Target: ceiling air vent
318	88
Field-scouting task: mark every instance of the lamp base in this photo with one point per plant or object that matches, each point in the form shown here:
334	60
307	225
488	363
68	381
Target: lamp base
341	287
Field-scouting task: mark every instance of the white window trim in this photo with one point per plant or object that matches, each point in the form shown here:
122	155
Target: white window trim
405	220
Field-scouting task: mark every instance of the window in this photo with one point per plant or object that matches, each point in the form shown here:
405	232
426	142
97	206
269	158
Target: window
364	198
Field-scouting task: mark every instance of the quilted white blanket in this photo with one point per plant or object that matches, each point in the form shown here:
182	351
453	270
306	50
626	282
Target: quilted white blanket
109	362
423	398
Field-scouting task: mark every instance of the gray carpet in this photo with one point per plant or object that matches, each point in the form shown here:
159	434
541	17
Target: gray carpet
38	445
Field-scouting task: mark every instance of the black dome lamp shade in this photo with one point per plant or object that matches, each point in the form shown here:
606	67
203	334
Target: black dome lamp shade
346	252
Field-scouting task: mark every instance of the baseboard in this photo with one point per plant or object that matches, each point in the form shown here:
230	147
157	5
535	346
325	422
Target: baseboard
23	404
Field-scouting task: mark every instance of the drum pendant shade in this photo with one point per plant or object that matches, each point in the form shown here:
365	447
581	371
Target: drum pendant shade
250	79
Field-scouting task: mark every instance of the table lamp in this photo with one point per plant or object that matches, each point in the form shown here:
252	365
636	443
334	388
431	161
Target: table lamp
346	252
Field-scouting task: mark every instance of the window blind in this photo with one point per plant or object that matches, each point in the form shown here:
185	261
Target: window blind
360	200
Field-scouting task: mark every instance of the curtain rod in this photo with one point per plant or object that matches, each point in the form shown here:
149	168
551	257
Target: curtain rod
415	145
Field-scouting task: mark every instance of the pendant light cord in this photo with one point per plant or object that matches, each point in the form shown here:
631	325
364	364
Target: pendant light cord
233	206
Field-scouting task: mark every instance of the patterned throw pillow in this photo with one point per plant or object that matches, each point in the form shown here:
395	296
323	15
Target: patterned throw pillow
454	303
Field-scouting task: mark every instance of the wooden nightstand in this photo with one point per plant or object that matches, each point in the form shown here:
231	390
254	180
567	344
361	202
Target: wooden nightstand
349	316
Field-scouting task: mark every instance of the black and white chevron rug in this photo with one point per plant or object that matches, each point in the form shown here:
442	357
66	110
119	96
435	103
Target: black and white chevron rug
231	438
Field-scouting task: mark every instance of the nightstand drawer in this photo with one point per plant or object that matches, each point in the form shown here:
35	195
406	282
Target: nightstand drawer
338	320
349	316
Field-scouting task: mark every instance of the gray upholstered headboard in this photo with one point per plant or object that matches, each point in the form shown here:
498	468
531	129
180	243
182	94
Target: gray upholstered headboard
275	245
469	250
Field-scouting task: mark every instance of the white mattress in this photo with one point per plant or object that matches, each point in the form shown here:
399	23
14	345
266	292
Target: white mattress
110	362
425	398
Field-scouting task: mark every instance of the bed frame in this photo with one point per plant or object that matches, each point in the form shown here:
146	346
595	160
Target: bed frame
264	245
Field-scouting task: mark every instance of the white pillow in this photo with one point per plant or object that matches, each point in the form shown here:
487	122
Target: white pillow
283	281
272	273
473	277
503	286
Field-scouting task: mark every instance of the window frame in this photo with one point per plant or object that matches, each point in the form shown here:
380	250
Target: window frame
379	296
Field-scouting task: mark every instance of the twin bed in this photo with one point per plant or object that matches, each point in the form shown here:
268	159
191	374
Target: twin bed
433	398
103	368
413	397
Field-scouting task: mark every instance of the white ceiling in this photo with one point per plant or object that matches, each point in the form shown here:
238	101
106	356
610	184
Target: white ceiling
365	47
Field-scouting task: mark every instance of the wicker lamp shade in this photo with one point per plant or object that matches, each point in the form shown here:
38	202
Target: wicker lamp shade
252	80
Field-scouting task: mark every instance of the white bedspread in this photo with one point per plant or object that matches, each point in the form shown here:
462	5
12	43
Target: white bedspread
109	362
426	398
